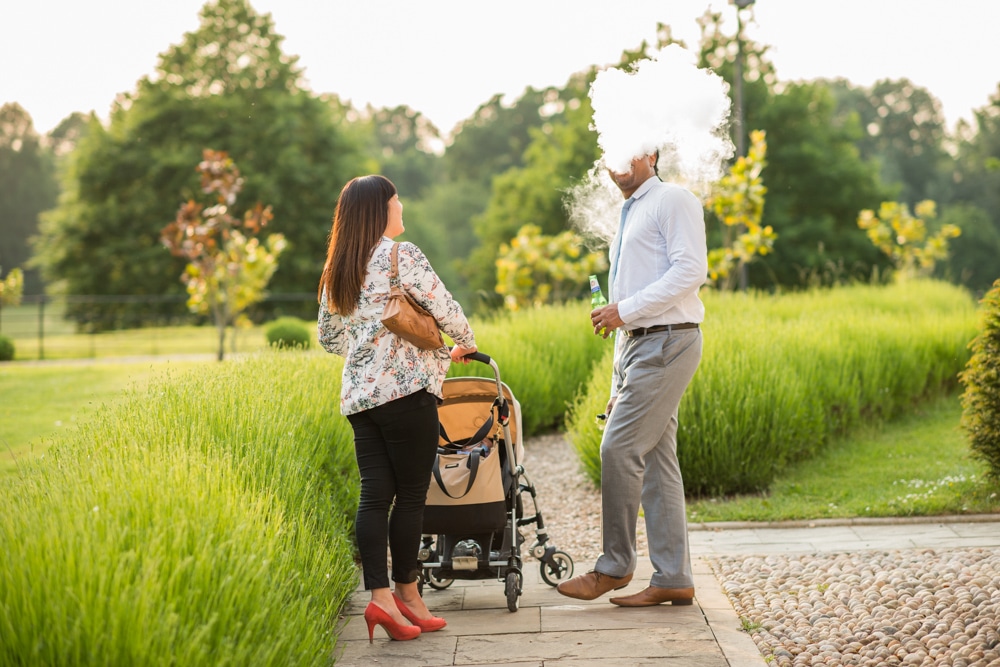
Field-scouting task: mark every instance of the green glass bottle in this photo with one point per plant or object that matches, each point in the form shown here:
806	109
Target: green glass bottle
596	295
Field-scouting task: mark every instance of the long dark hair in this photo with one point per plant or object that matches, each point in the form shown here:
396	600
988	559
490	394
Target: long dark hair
359	223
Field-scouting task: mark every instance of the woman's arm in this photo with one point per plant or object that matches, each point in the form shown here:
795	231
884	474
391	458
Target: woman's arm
419	279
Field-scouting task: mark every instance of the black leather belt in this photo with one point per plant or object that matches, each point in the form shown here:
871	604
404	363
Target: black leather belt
642	331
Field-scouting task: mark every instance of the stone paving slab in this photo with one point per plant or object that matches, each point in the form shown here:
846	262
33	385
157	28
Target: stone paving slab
550	629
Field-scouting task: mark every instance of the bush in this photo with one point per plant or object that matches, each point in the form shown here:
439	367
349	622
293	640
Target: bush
6	348
289	332
781	375
981	377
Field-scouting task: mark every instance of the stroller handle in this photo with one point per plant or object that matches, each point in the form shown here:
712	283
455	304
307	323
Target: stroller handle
477	356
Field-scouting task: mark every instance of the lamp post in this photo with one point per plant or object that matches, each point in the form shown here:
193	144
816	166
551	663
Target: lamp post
741	143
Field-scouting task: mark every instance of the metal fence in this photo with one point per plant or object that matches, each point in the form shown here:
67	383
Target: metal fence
91	326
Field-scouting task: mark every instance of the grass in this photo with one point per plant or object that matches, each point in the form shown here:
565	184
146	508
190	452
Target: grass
916	465
782	376
37	402
199	520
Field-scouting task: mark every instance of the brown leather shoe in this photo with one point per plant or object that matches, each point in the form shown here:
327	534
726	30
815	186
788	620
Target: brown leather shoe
654	595
592	585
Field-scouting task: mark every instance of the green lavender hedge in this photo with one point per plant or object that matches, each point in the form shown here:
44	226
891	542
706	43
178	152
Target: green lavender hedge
780	375
202	521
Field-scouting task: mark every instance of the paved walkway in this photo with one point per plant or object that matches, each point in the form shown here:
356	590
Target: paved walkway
550	629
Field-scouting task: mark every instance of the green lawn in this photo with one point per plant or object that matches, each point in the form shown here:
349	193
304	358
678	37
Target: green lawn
38	401
918	465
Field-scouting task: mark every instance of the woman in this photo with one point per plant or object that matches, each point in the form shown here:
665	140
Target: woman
390	392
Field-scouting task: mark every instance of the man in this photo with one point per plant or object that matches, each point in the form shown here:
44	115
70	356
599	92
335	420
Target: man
658	263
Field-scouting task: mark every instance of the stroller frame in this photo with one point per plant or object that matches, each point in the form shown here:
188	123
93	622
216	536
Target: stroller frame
440	565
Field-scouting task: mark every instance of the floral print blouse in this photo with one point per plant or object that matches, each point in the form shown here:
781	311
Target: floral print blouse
379	366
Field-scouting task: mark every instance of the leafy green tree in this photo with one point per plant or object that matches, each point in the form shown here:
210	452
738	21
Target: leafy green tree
228	269
27	188
817	182
977	183
974	258
227	85
495	137
902	132
905	239
440	223
404	141
738	201
560	154
11	291
535	269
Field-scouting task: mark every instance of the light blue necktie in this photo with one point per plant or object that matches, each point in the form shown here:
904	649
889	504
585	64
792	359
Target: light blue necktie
618	249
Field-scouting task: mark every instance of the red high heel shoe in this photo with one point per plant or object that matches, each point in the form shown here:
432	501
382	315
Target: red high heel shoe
426	625
375	615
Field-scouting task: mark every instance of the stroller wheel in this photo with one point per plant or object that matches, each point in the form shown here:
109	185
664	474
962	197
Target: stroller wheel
557	567
430	576
513	590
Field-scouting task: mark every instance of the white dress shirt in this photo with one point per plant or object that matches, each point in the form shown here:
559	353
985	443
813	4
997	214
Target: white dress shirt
659	257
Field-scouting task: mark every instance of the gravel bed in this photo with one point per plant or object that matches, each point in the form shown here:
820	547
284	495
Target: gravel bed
906	607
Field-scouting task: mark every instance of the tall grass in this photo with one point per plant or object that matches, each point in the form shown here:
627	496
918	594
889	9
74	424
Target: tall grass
203	520
781	375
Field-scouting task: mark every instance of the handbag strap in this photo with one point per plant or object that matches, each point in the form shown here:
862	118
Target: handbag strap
394	272
473	470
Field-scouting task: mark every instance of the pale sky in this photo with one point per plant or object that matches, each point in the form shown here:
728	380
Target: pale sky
446	57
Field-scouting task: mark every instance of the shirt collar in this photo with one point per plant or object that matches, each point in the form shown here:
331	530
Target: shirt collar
645	187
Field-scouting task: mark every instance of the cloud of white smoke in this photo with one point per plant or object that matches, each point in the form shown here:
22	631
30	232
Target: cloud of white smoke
665	104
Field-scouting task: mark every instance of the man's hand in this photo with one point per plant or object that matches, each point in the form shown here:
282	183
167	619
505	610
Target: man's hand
605	319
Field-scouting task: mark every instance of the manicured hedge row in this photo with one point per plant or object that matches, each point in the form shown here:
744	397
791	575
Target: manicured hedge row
781	374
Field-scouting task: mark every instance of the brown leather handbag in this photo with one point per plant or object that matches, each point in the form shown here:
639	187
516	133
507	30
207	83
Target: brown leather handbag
405	317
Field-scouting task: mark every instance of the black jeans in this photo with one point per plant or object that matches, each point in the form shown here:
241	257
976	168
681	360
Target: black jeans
395	444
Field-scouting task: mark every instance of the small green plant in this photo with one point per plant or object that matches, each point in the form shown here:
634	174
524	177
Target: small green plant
981	377
6	348
749	626
288	332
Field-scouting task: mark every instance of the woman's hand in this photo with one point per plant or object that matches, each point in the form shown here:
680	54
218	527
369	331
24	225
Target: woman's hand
459	353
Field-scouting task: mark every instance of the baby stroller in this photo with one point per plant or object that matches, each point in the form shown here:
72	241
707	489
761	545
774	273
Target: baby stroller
463	537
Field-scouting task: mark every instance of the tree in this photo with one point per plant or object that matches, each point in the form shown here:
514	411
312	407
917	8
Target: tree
905	239
738	201
11	289
27	188
977	183
817	182
902	133
974	257
227	85
535	269
405	141
560	153
227	269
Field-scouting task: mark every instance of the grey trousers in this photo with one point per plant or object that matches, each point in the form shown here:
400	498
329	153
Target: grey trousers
639	458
